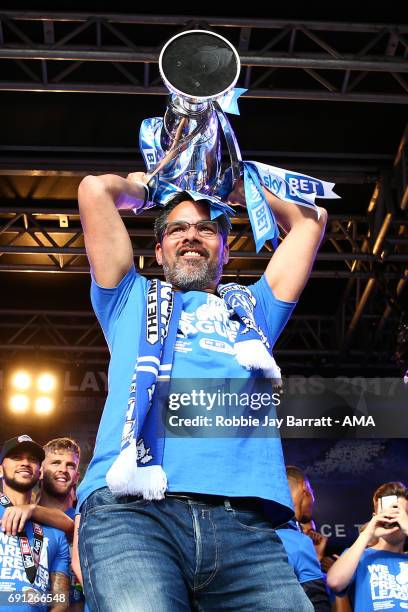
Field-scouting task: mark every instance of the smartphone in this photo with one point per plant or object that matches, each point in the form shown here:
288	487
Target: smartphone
388	501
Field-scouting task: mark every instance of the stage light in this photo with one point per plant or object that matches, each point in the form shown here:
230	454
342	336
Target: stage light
43	405
46	382
21	380
33	389
19	403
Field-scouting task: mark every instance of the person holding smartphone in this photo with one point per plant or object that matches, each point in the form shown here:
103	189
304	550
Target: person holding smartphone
378	572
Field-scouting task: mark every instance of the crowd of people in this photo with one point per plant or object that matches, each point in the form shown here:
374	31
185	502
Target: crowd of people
38	498
37	502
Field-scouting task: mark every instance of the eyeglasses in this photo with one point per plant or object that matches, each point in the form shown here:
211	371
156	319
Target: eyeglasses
178	229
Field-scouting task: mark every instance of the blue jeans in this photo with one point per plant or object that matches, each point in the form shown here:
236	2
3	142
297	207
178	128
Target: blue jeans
178	555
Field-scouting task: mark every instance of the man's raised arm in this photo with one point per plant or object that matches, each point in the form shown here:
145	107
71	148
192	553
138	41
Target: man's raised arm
291	264
342	571
107	241
289	269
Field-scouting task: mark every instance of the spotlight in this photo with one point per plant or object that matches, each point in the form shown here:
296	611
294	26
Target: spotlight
32	389
21	380
43	405
46	382
19	403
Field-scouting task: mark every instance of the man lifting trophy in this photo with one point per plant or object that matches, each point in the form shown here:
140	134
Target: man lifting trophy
187	522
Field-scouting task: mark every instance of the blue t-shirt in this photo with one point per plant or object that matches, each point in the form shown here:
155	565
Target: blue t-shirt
13	578
251	466
301	554
380	581
70	512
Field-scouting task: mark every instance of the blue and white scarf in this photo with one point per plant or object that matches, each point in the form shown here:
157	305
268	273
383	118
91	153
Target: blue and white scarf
138	468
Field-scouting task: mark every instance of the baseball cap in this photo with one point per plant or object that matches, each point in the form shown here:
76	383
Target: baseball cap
22	442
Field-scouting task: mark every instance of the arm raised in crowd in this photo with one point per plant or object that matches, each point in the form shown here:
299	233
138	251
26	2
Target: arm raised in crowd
107	241
342	571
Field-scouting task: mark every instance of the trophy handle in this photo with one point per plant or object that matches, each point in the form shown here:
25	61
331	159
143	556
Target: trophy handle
232	144
178	143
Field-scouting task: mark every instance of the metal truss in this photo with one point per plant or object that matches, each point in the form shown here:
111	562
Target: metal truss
61	334
49	238
356	248
281	58
68	337
386	234
370	252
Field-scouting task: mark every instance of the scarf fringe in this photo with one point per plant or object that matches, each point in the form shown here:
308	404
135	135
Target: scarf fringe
123	472
253	355
151	482
126	478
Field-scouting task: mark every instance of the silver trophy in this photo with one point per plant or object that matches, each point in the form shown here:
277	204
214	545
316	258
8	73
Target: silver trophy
198	68
182	150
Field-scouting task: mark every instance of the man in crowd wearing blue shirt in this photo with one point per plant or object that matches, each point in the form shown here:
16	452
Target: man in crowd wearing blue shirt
196	535
60	473
59	477
299	547
34	558
375	566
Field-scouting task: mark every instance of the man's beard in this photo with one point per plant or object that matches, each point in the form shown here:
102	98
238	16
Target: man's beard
197	275
48	486
20	487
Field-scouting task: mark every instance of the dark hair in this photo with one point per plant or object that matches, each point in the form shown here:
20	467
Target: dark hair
161	220
295	473
67	444
390	488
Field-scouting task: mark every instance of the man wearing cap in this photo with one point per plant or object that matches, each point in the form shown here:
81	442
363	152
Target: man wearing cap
15	516
34	559
183	521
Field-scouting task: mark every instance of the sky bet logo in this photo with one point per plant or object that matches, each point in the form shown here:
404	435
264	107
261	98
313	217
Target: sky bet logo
303	184
273	183
261	219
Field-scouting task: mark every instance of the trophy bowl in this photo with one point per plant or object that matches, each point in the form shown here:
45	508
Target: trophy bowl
199	65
